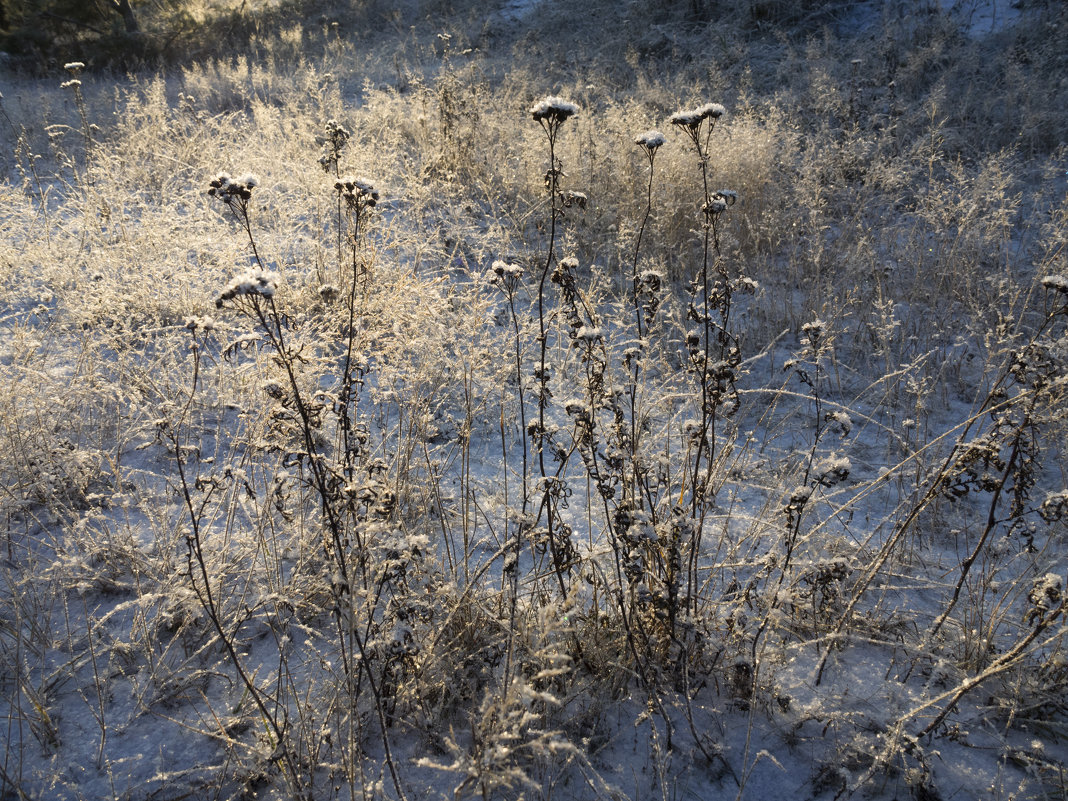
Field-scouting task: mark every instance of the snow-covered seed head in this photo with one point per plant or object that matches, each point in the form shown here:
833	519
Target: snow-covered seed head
651	280
504	270
254	282
553	109
1046	597
572	198
357	191
1056	283
197	323
719	202
336	131
229	189
74	67
588	333
713	110
716	205
813	333
692	118
334	140
650	140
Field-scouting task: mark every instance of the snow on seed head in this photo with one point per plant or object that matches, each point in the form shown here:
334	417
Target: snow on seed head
197	323
713	110
814	330
503	269
716	205
1057	283
692	118
254	282
356	190
554	109
229	189
650	140
337	130
572	198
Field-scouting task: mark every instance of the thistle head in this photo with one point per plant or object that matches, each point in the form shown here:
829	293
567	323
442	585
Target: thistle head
692	118
650	140
553	109
357	192
231	190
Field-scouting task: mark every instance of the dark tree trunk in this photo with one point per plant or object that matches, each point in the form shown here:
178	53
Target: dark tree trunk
124	8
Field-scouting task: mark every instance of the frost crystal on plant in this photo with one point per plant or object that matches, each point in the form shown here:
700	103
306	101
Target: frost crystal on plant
503	269
813	330
650	140
230	189
337	135
832	470
554	109
717	205
691	118
254	282
196	323
1045	596
1057	283
357	190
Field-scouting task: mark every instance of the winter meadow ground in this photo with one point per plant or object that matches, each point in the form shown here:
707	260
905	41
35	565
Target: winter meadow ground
538	401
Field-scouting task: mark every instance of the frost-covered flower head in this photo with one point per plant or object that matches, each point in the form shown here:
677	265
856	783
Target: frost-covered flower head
73	83
553	110
1056	283
719	201
337	135
74	67
650	140
573	198
358	192
254	282
692	118
813	333
336	131
197	323
715	205
503	269
233	190
1046	597
564	272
